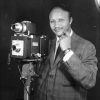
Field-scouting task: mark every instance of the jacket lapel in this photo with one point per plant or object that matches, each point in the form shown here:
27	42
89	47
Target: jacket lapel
52	52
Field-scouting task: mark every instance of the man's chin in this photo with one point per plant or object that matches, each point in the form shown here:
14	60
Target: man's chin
58	33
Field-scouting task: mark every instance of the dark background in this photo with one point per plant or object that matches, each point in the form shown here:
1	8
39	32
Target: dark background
86	23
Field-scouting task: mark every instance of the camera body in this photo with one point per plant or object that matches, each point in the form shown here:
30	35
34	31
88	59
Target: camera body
26	44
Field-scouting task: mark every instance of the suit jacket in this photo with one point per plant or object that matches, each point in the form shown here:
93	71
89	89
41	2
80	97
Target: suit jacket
69	80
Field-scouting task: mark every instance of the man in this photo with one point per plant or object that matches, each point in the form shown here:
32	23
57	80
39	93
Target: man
70	73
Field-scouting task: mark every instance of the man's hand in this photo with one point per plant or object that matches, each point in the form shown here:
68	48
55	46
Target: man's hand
65	42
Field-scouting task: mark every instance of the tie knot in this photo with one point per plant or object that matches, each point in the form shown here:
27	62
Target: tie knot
58	40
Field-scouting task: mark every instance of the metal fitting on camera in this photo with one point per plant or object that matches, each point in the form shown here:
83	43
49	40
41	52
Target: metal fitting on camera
24	27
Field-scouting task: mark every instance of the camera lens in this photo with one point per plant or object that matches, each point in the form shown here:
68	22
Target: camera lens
13	27
14	47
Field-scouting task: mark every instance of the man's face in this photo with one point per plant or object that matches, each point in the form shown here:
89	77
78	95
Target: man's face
59	21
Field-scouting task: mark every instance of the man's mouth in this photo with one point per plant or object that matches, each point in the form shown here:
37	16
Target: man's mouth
58	29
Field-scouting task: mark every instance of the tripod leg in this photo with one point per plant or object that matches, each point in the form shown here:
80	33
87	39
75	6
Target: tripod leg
27	93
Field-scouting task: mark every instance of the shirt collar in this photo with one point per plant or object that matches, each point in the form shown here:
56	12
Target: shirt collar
71	33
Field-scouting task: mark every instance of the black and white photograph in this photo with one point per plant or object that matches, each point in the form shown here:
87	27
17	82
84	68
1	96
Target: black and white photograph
49	49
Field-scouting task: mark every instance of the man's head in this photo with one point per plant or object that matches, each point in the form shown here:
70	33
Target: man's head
60	21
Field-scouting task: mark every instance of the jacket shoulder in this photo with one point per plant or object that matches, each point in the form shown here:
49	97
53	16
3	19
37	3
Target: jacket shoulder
82	41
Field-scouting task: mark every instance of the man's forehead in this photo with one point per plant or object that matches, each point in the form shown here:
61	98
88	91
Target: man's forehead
58	11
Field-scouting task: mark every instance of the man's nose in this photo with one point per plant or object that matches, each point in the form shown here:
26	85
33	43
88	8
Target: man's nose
56	24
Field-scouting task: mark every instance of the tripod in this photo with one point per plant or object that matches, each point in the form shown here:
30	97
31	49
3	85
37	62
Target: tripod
27	88
30	73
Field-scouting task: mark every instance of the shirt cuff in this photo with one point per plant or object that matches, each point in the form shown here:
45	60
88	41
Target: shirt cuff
68	55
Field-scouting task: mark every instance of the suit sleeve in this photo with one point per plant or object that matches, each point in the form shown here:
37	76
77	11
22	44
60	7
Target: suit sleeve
84	70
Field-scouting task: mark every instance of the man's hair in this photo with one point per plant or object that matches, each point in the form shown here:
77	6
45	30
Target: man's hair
63	7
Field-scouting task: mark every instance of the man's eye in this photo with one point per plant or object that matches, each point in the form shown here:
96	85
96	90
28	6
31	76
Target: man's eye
61	20
52	21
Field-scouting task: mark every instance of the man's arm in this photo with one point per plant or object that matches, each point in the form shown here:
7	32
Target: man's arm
83	70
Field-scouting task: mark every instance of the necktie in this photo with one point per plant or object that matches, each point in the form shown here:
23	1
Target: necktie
57	49
57	52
